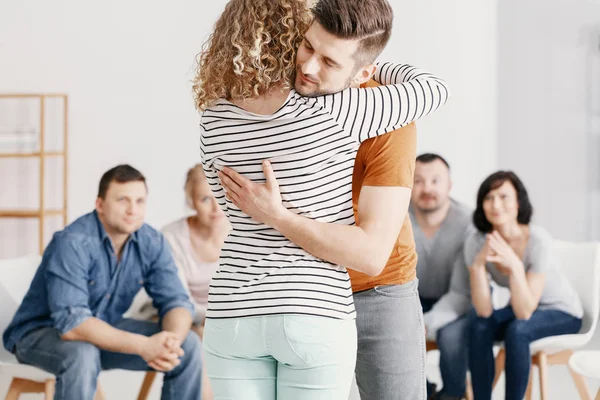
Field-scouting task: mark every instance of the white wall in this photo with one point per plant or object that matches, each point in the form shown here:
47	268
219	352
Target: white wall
457	40
549	109
127	68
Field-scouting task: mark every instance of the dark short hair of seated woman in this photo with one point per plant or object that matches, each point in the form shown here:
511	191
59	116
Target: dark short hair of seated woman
515	254
494	181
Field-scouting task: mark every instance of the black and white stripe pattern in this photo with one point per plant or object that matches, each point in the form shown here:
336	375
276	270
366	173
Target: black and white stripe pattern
311	143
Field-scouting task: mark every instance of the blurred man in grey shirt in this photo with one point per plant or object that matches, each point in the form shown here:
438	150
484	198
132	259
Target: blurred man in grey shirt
441	226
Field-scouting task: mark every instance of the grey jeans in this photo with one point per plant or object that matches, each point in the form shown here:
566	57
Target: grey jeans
390	363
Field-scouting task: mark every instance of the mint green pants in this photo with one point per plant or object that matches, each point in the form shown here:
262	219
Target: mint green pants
284	357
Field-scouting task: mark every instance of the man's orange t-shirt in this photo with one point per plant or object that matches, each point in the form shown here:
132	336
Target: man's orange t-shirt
388	160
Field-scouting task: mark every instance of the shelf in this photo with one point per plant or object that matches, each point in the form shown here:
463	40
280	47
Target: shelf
30	95
32	154
25	141
29	213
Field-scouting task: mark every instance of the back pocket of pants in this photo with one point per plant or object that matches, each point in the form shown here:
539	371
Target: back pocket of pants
316	340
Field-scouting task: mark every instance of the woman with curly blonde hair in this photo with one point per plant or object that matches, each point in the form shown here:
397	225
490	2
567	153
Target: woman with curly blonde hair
273	83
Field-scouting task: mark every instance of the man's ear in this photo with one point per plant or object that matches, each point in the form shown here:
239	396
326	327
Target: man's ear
364	74
99	205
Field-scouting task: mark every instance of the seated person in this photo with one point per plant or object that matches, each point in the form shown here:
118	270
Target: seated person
195	243
518	256
71	320
440	227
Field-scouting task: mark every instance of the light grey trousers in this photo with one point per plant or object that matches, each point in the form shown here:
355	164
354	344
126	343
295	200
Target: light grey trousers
390	363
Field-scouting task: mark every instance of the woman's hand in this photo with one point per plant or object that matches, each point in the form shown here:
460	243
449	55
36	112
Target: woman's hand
505	258
481	258
481	296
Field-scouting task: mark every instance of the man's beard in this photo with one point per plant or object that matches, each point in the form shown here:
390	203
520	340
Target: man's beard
430	209
318	91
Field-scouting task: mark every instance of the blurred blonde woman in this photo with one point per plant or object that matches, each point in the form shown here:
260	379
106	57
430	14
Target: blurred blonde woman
274	84
195	243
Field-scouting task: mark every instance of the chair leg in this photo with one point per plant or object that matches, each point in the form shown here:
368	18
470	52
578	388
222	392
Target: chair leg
528	392
146	385
430	345
469	391
500	362
14	391
542	362
580	384
49	387
19	386
99	393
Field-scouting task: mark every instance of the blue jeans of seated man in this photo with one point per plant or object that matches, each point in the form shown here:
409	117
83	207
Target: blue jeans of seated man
390	362
453	343
517	334
77	364
286	357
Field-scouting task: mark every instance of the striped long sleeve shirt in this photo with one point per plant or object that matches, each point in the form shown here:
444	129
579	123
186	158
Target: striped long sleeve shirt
311	144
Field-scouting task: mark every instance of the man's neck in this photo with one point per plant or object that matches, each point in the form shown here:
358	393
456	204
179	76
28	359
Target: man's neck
118	242
116	239
430	222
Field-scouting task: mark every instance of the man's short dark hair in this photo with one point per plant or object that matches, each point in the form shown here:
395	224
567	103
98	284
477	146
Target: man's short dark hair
427	158
369	21
121	173
492	182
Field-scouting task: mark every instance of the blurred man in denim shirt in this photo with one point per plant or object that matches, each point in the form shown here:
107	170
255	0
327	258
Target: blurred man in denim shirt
71	321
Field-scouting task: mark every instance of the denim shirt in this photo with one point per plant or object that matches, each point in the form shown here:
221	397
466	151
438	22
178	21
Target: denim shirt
80	277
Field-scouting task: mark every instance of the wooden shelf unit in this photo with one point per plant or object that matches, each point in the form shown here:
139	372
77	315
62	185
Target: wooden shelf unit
41	213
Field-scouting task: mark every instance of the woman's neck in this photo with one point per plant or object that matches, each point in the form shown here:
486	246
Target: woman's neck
206	232
511	230
267	103
205	240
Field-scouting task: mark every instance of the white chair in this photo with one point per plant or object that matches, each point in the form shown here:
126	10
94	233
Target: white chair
586	363
15	278
581	266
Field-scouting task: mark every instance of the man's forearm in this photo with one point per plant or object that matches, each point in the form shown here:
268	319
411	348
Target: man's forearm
106	337
349	246
178	321
365	248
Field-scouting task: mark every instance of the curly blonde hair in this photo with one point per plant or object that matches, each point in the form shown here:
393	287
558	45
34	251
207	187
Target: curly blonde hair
252	49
